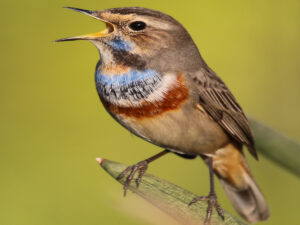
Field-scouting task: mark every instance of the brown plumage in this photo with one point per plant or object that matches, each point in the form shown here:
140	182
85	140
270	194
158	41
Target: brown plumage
217	100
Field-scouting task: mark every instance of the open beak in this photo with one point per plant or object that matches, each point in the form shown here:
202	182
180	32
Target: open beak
106	32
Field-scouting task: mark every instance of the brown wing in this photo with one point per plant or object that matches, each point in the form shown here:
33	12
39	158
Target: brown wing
221	105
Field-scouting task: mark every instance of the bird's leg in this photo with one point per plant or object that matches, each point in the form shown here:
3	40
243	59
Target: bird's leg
211	198
141	168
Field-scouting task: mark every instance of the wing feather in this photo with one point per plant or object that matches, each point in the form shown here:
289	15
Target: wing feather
220	104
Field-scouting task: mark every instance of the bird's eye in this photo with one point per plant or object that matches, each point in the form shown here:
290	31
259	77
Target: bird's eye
137	25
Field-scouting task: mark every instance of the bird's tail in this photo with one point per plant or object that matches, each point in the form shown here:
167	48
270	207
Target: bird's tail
230	166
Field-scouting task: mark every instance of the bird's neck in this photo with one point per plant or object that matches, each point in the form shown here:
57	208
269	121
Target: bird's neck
124	86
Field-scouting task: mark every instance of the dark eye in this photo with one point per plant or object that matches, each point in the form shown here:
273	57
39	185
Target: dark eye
137	25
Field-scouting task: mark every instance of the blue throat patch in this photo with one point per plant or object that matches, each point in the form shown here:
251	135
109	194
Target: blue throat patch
126	78
120	45
133	85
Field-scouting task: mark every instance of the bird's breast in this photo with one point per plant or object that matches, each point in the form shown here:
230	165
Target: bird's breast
140	94
172	100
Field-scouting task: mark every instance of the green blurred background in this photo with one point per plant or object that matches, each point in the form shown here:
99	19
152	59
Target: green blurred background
53	125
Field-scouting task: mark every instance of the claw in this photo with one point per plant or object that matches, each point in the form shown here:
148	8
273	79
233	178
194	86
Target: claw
142	171
140	167
212	202
219	211
199	198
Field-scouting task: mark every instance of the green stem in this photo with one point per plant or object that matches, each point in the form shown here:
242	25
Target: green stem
277	147
169	198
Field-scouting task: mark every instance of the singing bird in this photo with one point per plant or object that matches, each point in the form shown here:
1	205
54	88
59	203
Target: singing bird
152	79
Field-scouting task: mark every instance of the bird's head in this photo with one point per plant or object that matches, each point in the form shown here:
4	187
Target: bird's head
140	37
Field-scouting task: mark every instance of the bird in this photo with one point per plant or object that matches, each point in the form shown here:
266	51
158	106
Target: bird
152	79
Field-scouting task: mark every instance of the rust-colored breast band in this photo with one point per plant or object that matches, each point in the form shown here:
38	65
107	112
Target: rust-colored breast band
172	100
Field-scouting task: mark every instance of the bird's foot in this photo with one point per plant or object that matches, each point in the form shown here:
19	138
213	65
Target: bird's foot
212	202
140	167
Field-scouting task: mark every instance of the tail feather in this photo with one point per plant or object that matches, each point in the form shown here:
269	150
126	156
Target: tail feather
231	168
249	203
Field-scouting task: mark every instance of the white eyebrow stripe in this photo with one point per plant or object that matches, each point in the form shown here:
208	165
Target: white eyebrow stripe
153	22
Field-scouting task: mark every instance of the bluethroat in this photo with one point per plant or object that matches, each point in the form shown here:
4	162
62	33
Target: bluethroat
152	79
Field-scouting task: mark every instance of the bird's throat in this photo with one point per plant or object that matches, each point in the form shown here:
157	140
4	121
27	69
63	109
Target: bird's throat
128	87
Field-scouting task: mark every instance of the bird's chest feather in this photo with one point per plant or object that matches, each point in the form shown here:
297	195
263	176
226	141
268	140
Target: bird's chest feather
139	94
